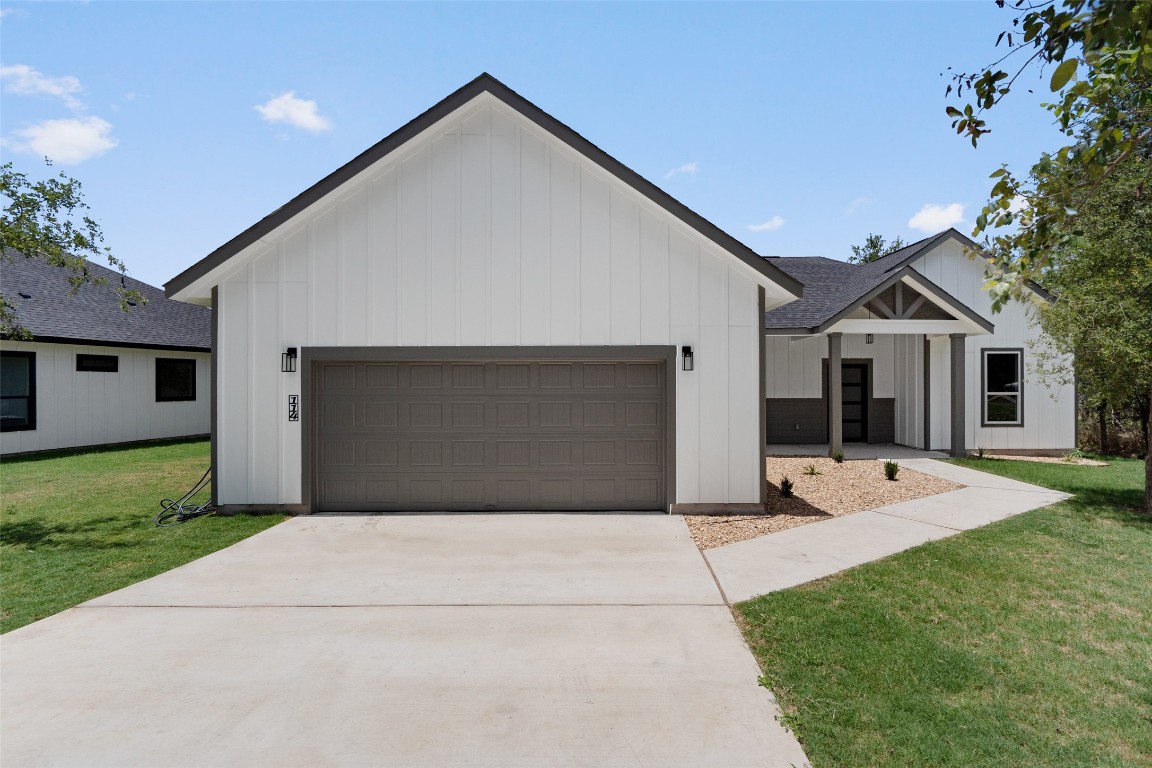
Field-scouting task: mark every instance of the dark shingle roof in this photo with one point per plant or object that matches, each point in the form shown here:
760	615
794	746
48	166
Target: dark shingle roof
93	313
831	286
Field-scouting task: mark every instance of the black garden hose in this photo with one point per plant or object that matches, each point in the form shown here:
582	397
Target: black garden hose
182	510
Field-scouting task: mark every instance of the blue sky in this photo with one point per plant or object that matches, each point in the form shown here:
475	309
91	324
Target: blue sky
797	127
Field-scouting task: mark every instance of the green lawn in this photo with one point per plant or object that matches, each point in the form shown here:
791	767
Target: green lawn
1025	643
75	526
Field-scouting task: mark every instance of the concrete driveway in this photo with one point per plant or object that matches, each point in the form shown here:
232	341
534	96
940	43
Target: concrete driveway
431	640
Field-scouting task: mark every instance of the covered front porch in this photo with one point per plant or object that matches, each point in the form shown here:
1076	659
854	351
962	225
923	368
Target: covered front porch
887	373
854	451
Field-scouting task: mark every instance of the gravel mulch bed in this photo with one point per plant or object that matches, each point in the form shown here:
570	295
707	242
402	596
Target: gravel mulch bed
840	489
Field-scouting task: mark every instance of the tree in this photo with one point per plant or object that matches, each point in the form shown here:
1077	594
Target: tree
873	248
1102	308
1078	220
1100	52
46	220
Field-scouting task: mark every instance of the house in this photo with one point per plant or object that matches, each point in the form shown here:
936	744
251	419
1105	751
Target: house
93	374
486	311
906	350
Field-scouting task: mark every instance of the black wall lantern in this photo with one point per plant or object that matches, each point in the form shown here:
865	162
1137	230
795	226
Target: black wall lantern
689	364
288	360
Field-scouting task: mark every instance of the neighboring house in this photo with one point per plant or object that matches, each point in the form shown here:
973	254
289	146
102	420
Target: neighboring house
486	311
923	361
94	374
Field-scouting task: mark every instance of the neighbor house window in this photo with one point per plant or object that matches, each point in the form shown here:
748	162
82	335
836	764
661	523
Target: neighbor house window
175	380
1003	371
98	363
17	391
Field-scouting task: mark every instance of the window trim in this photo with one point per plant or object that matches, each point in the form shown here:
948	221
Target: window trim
30	426
984	393
85	356
182	360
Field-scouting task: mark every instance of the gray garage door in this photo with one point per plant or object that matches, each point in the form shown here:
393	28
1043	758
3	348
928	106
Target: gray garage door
510	435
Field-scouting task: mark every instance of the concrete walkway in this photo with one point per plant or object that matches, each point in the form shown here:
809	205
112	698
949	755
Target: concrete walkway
443	640
798	555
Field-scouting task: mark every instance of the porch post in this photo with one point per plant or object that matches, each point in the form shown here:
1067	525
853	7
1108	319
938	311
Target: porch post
956	344
835	396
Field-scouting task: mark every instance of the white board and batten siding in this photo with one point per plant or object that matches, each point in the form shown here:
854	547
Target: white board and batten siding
487	231
80	408
1049	407
793	368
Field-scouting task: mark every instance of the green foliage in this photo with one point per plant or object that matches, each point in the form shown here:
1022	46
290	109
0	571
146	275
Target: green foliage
1101	278
1102	283
812	470
891	468
838	457
786	487
874	248
46	220
77	525
1023	643
1103	105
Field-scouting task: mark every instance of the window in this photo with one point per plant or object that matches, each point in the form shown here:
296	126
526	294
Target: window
17	391
1003	373
98	363
175	380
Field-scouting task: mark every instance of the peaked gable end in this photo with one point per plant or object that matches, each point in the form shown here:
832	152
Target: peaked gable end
782	284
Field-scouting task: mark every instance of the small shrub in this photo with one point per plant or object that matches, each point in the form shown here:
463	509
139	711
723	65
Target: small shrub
1073	455
811	470
979	452
838	457
890	469
786	487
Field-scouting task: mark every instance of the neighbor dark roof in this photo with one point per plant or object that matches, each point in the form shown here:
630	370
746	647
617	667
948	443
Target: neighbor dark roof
831	287
489	84
39	294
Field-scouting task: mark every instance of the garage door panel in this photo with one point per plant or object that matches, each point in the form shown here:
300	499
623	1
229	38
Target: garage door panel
497	435
377	414
418	453
381	376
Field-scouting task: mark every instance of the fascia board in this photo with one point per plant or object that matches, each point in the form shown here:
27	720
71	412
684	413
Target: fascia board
886	327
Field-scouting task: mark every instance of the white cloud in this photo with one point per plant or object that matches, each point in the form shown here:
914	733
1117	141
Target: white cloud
933	218
68	141
26	81
1019	204
772	224
299	113
688	169
856	205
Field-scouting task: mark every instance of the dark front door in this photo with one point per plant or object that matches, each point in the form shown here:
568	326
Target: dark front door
854	398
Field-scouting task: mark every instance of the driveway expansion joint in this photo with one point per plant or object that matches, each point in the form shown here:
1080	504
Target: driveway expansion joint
880	511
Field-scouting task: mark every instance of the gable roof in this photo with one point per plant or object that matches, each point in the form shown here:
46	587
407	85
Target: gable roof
93	315
835	288
485	83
